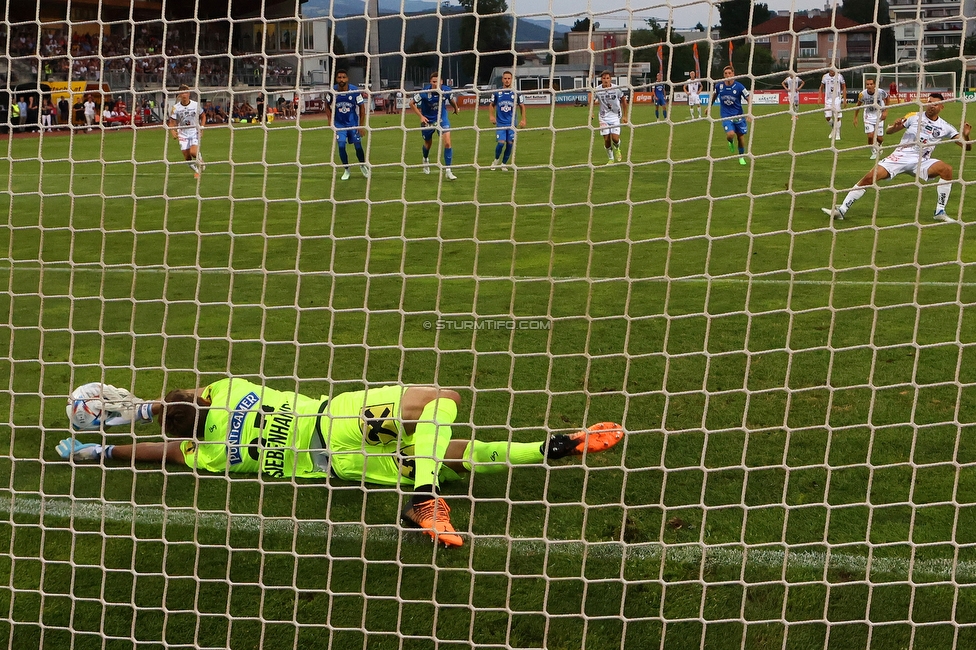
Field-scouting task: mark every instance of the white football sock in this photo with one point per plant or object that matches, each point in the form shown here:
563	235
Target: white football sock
944	187
610	152
853	195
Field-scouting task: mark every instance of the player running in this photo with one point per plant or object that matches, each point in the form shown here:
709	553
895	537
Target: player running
833	94
793	84
430	104
613	113
874	100
389	435
505	102
729	94
661	93
347	115
186	122
913	155
694	87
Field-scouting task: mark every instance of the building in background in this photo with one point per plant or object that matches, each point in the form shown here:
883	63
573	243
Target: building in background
814	40
923	26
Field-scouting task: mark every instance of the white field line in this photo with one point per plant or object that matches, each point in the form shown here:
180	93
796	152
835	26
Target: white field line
92	511
65	267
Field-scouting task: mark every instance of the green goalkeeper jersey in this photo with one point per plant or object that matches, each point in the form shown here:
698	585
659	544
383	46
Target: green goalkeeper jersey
255	429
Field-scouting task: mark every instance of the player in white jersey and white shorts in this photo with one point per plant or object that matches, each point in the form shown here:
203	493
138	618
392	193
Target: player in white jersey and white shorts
874	100
833	94
792	84
693	87
913	155
185	122
613	113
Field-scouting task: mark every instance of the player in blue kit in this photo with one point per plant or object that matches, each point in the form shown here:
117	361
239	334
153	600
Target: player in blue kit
430	104
660	97
347	115
729	94
505	102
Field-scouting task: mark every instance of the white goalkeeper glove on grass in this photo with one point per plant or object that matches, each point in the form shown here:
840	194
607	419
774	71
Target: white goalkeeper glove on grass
123	407
71	448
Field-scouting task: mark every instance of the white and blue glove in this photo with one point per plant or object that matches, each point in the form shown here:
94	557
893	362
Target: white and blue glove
91	452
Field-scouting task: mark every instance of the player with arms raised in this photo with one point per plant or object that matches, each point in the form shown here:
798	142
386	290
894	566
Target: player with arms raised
874	100
348	115
694	87
389	435
185	123
833	94
613	112
913	155
505	102
793	84
729	94
430	104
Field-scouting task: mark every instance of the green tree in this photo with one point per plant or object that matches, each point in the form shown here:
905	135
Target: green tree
762	61
969	47
646	41
489	18
581	25
423	52
863	12
734	16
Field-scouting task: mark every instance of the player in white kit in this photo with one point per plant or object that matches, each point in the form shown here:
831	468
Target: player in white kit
833	94
792	84
913	155
693	87
874	100
185	121
613	113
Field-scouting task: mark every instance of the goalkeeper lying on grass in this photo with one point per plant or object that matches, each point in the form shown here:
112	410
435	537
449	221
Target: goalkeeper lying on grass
391	435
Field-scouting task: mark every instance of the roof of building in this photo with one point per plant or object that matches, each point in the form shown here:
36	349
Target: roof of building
800	22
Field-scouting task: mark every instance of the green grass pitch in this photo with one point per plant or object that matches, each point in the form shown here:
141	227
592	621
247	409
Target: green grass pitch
800	469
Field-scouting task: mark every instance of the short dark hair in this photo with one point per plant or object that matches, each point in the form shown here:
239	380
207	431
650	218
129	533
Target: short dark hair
434	74
184	415
342	71
937	96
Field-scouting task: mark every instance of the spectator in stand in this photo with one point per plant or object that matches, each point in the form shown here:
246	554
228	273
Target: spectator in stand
22	105
63	107
89	107
108	117
893	88
260	107
48	114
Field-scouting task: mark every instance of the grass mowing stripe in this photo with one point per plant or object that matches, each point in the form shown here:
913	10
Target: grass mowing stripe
59	267
151	515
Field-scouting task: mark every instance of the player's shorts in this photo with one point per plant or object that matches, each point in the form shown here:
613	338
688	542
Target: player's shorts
188	140
436	128
505	134
348	135
737	124
610	124
794	98
693	99
365	437
660	100
875	126
907	163
832	106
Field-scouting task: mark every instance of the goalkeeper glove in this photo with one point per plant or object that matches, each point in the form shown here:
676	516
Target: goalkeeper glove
123	407
71	448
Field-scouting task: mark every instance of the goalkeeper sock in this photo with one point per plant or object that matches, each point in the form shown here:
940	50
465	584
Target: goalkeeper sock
508	152
852	196
430	440
944	188
343	156
360	154
491	457
498	150
448	155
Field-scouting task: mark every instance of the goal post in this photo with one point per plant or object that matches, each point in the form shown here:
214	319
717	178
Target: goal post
798	468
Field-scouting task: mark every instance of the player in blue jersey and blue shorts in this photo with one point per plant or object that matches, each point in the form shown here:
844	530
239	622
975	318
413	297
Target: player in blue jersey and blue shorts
505	101
729	94
660	97
430	104
348	115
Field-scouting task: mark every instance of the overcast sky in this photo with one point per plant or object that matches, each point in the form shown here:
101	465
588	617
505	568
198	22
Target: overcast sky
617	13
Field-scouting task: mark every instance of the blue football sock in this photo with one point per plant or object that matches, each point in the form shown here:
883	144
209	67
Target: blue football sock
448	155
742	150
665	115
426	152
657	114
498	150
360	154
508	152
343	156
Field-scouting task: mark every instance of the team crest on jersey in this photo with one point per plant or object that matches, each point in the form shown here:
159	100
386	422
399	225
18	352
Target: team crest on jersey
377	424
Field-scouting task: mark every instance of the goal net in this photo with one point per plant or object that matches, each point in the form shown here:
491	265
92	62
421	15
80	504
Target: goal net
799	464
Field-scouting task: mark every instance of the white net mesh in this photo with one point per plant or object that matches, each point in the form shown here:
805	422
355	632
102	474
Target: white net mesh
799	469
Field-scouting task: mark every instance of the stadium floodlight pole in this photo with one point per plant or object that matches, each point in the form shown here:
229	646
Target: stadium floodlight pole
373	46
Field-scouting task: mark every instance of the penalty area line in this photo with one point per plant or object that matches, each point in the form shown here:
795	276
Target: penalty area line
92	511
